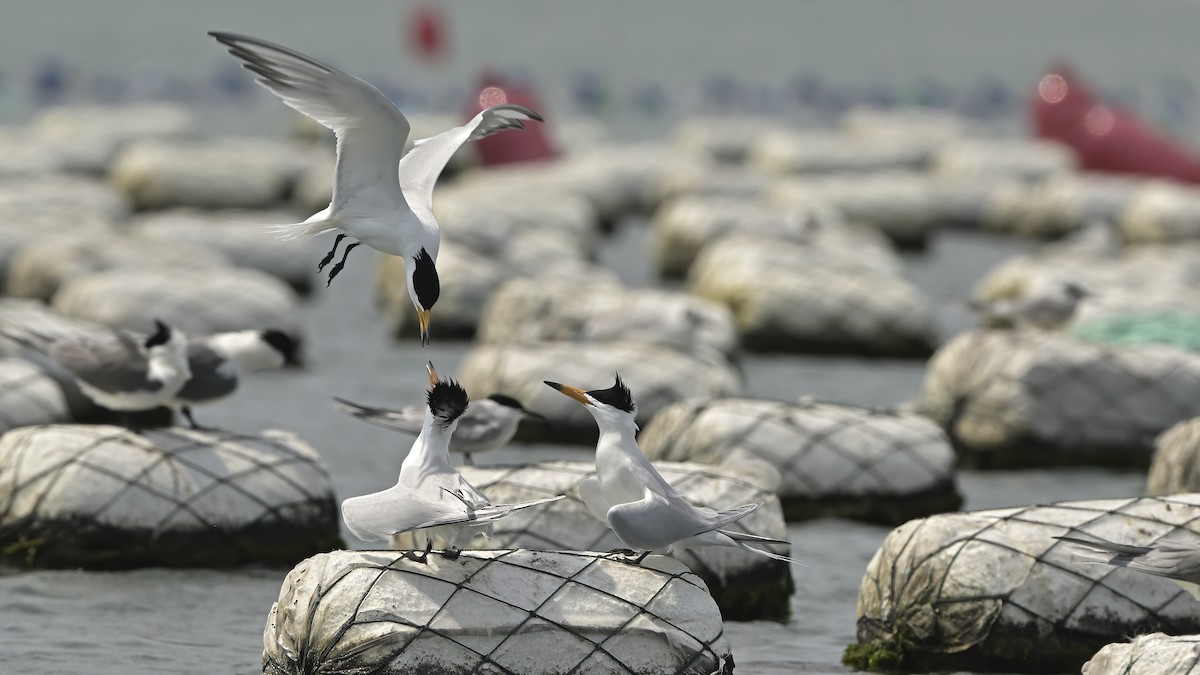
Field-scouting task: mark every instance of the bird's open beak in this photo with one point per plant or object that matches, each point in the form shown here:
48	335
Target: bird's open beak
423	324
433	376
567	390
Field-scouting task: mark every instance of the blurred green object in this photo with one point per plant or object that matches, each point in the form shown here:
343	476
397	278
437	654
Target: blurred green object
1181	329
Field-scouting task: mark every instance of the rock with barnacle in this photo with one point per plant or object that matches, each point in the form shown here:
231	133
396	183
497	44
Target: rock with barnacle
102	497
994	591
1151	654
514	611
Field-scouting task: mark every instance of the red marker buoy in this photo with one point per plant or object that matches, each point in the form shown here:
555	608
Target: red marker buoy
427	33
531	144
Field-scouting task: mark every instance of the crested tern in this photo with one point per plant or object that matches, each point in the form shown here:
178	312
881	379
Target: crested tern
630	496
218	361
381	196
1049	308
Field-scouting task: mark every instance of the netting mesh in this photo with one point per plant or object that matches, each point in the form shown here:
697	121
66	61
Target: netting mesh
498	612
103	496
657	376
29	396
1147	655
1176	463
745	585
785	298
995	586
1010	398
194	301
902	205
834	459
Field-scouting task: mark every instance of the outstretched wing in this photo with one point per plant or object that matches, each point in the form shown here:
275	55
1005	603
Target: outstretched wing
407	420
370	130
420	168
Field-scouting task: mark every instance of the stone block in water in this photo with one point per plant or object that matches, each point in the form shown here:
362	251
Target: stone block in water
506	612
1153	654
1175	466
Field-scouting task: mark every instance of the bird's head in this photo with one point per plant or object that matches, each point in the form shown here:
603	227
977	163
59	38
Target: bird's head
423	289
514	404
284	349
614	405
166	343
447	400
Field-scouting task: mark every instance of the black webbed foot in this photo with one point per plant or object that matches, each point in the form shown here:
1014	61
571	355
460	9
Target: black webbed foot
451	554
623	551
341	263
423	557
332	252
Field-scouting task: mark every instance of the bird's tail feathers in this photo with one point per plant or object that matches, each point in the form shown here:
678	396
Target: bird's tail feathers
746	536
1100	547
318	223
773	556
498	511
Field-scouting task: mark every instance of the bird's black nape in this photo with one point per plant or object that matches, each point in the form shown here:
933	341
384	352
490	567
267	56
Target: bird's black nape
506	401
447	401
287	346
425	280
1076	291
162	334
618	396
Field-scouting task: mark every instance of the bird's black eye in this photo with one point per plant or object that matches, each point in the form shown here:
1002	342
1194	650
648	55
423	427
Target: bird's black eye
618	396
425	280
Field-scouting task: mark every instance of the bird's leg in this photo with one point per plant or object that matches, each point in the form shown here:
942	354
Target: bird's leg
467	461
424	557
451	553
623	551
341	263
128	422
187	415
641	557
332	252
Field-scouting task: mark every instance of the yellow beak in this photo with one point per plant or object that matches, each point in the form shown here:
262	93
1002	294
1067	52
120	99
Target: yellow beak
423	324
574	392
433	376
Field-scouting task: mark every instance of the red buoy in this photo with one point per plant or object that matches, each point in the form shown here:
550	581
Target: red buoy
531	144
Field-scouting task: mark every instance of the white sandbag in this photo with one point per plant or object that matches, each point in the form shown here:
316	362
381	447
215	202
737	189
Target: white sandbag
250	173
685	225
104	497
1176	463
24	157
640	168
993	591
28	396
1060	203
785	297
1032	398
746	586
705	179
601	184
239	236
1163	211
486	218
195	301
657	376
903	205
38	269
88	137
528	311
836	460
511	612
785	151
1023	159
928	126
726	138
1153	654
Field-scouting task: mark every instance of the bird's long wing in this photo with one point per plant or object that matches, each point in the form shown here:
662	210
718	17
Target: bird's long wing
1164	560
420	168
593	499
407	420
486	514
370	130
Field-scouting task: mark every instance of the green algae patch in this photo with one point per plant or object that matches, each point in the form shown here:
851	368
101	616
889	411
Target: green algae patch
1180	329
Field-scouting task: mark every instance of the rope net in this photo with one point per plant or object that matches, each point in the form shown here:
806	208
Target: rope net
101	496
29	396
834	459
1154	653
993	587
497	612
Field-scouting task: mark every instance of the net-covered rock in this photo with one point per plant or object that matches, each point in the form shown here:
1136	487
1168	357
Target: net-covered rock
993	591
745	585
28	396
239	236
658	377
911	124
902	205
529	311
1153	654
247	173
682	227
716	181
22	156
1029	398
1060	204
88	137
487	218
498	612
195	301
1176	463
835	460
1163	211
1025	160
103	497
723	138
789	297
38	269
784	151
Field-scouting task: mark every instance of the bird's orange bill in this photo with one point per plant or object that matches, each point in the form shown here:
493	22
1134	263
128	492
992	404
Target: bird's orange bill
423	324
433	376
574	392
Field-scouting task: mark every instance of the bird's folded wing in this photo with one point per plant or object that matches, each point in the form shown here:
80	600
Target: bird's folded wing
482	515
593	499
1164	560
420	168
113	365
476	430
406	420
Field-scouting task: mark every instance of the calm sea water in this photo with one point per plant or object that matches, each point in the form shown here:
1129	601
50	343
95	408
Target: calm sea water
197	621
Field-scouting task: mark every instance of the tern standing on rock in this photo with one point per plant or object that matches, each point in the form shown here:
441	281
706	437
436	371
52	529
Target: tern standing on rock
630	496
431	498
380	198
1050	308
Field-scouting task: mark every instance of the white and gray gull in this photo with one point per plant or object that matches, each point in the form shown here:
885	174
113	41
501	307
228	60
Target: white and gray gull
381	196
1050	306
430	498
486	425
630	496
218	361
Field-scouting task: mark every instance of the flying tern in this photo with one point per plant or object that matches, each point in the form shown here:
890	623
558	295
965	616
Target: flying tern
630	496
381	196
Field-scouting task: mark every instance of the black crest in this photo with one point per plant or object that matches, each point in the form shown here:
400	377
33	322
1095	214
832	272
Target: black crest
507	401
618	396
425	280
286	345
447	401
162	334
